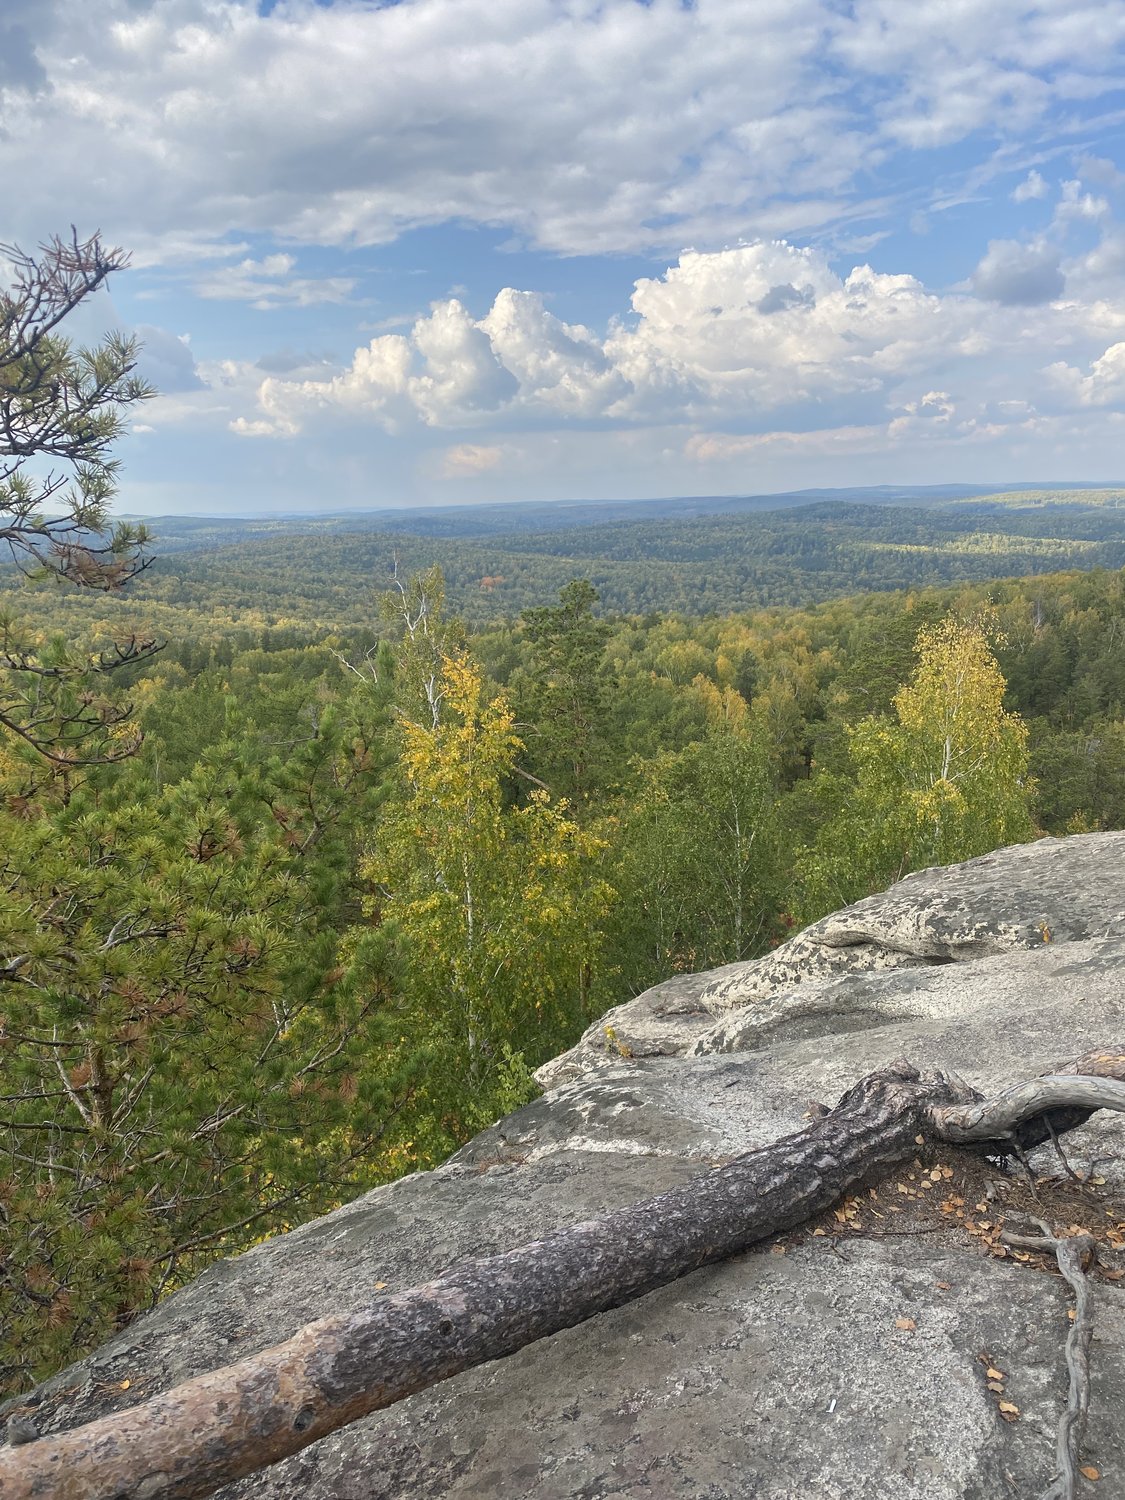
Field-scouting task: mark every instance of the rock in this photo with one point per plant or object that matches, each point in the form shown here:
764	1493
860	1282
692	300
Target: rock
814	1367
1029	896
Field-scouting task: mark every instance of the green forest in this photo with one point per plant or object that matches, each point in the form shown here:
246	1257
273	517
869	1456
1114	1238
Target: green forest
328	574
312	851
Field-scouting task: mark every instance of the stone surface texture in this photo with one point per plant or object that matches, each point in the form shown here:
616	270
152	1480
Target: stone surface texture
783	1372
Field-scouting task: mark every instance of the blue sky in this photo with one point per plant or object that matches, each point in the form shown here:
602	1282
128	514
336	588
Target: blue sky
444	251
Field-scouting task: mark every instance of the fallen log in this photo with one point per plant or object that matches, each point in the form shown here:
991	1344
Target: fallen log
190	1441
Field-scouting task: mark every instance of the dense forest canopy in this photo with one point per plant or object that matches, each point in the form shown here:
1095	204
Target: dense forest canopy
328	573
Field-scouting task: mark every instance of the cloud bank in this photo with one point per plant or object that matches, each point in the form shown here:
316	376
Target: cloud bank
599	125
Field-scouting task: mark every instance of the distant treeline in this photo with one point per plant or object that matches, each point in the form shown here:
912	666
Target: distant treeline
322	577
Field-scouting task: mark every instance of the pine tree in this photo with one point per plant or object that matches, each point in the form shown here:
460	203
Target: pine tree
184	1067
698	851
564	692
68	406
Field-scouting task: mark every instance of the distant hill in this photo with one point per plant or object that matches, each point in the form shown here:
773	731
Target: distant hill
188	533
328	573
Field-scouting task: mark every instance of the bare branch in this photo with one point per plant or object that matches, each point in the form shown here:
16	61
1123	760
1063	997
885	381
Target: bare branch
1075	1254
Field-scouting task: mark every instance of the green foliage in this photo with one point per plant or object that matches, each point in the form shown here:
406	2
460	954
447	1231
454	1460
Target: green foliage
944	780
563	692
322	574
698	852
490	910
181	1067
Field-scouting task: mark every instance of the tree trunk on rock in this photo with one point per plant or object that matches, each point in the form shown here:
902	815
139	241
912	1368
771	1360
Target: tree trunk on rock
192	1440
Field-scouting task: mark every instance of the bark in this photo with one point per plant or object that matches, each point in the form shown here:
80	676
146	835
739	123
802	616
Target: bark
192	1440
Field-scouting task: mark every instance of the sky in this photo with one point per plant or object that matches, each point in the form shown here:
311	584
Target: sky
446	251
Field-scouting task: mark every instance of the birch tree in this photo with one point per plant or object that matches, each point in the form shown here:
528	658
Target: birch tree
943	780
489	909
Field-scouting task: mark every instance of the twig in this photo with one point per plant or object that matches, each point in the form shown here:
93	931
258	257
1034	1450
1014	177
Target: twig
1059	1152
1074	1253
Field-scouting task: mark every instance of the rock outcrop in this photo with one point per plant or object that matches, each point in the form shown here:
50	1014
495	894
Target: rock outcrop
844	1361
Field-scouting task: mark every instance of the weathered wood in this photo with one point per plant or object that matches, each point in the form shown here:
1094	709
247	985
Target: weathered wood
1075	1255
1025	1114
190	1441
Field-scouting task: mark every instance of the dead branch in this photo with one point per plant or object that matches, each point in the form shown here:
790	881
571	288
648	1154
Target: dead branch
190	1441
1035	1103
1075	1254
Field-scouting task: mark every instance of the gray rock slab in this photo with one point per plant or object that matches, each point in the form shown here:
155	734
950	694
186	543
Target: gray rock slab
662	1022
771	1375
1050	891
1045	894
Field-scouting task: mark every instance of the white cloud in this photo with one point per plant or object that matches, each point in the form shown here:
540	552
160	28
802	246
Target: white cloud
1019	275
1101	170
166	360
931	414
461	372
715	333
639	126
1074	204
972	66
765	336
1033	186
267	284
758	328
723	447
1103	386
468	459
558	366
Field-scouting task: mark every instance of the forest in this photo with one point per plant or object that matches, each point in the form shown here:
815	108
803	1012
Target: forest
306	865
327	573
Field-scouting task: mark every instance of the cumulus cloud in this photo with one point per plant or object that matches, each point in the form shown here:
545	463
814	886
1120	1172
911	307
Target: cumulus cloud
1074	204
1033	186
166	360
935	410
754	332
461	373
1019	275
757	350
1101	170
703	342
466	460
1103	386
446	374
557	366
